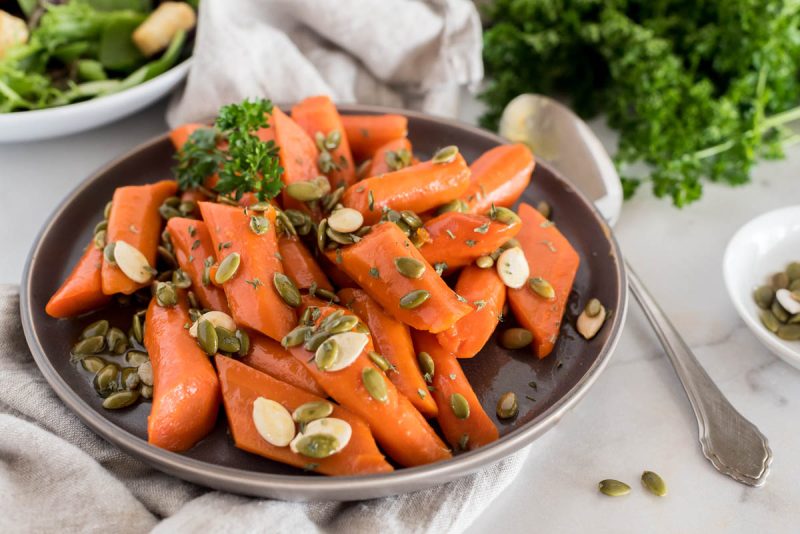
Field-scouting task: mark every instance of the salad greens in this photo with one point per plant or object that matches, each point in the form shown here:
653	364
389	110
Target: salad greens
697	90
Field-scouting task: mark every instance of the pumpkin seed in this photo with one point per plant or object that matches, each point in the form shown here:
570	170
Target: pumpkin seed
350	346
763	296
167	256
315	340
146	392
244	342
326	354
778	311
426	365
516	338
345	324
207	337
137	329
457	205
789	332
287	290
168	212
332	427
93	364
102	226
588	326
116	341
181	279
361	328
305	317
227	340
260	206
273	422
459	405
330	319
409	267
227	268
414	299
190	296
780	281
317	445
794	285
166	296
613	488
544	208
97	328
507	406
381	361
99	240
326	294
311	411
321	234
132	262
187	207
542	287
794	319
787	301
145	371
259	225
793	271
411	219
105	381
445	155
345	220
108	254
512	267
172	201
107	210
593	307
375	385
404	227
296	337
504	215
130	378
654	483
120	399
484	262
136	357
511	243
89	345
339	237
305	191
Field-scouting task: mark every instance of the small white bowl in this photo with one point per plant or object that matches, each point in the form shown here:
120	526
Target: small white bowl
760	248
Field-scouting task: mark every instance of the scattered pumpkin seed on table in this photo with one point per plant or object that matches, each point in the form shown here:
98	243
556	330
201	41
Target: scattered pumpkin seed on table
613	488
654	483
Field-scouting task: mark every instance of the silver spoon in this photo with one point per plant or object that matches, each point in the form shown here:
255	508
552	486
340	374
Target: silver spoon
729	441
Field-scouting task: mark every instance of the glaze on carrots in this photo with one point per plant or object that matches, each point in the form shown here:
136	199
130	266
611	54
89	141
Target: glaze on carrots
300	265
367	133
379	163
499	177
82	291
269	356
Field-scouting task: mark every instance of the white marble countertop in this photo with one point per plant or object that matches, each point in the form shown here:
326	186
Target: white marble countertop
635	417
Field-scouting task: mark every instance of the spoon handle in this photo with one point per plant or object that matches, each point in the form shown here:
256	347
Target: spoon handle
729	441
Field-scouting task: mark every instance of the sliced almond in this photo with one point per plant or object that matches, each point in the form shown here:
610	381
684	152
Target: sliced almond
132	263
787	301
345	220
512	267
588	326
217	318
273	422
332	426
350	345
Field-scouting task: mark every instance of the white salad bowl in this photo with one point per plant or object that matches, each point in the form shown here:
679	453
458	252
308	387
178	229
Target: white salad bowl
760	248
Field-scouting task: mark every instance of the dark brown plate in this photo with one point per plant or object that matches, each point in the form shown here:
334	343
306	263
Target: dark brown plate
561	379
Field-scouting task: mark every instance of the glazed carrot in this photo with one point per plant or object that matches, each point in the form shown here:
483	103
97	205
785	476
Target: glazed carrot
457	239
300	265
398	427
499	177
297	152
181	134
367	133
193	247
242	385
379	164
251	295
317	114
550	256
392	339
135	219
269	356
185	388
449	379
485	292
371	263
418	188
82	291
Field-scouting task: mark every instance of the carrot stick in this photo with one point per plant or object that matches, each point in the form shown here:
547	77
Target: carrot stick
185	388
300	265
550	256
269	356
242	385
193	247
417	188
82	291
371	263
366	133
317	114
458	239
251	295
499	177
485	292
398	427
181	134
392	339
297	152
379	164
135	219
449	379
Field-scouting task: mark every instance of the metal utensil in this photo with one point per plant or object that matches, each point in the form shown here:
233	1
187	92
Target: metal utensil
733	445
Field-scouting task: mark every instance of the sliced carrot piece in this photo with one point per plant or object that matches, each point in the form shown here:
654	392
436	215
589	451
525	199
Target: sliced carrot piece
499	177
371	263
380	164
392	340
185	389
269	356
181	134
82	291
469	433
300	265
417	188
550	256
242	385
486	292
251	295
135	219
367	133
297	152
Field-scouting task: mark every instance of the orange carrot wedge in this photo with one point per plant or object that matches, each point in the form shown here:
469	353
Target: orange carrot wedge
398	427
251	295
269	356
392	339
417	188
185	388
297	152
458	239
193	248
367	133
484	291
300	265
551	257
371	263
380	164
499	177
242	385
465	433
318	115
181	134
135	219
82	291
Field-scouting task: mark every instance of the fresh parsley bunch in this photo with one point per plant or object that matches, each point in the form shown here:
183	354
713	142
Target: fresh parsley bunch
697	90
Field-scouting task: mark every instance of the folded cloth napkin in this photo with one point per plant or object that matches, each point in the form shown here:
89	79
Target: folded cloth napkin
400	53
57	475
